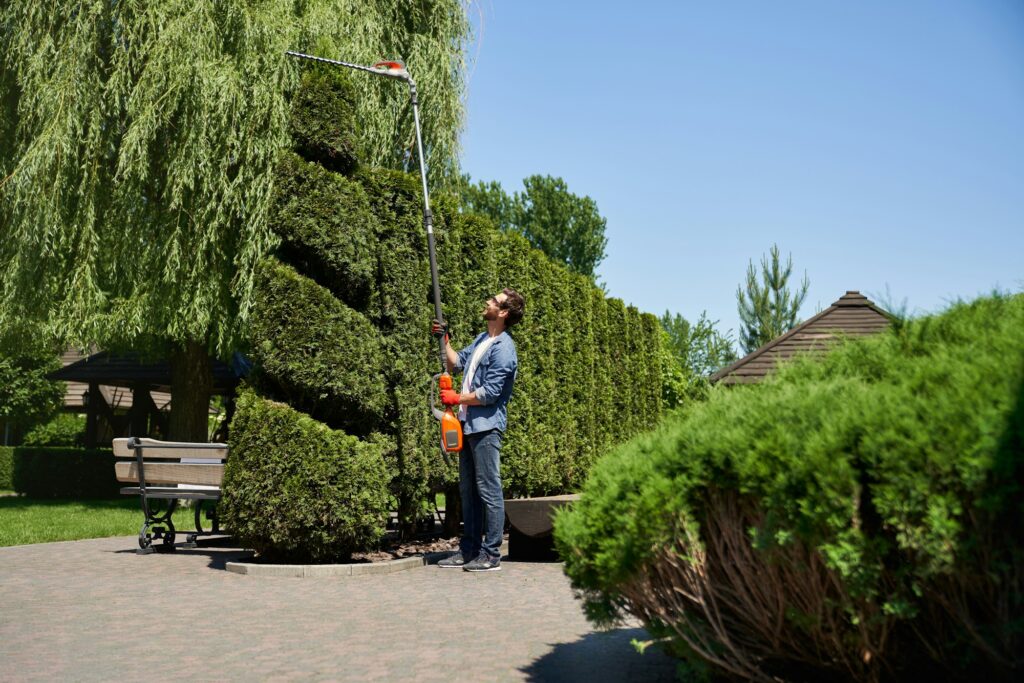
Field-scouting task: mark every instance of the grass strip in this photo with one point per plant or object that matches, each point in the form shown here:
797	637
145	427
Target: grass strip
25	521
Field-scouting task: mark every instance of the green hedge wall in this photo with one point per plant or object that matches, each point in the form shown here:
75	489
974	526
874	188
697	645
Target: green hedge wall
857	518
64	472
343	333
7	468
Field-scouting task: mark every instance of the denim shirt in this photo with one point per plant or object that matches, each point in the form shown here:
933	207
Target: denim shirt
492	383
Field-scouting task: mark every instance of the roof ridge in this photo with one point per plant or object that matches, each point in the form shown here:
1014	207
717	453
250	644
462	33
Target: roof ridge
851	299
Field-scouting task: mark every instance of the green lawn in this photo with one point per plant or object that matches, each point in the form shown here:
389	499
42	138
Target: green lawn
41	520
37	520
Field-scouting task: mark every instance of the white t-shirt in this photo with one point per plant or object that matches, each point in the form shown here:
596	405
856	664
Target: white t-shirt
467	380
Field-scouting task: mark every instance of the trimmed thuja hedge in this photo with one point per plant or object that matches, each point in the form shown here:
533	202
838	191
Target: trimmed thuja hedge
57	472
343	330
297	490
7	468
857	518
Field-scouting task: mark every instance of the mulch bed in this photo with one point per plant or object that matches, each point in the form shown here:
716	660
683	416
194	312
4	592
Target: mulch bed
393	549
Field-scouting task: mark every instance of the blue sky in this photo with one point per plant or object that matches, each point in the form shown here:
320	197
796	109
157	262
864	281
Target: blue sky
880	143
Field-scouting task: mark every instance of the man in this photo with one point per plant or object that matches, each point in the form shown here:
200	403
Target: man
489	365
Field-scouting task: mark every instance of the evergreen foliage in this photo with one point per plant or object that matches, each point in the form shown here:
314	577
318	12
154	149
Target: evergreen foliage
323	125
854	517
6	468
296	490
768	308
318	351
321	218
342	332
61	472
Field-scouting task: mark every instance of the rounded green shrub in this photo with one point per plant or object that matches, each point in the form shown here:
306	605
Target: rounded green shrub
854	518
298	491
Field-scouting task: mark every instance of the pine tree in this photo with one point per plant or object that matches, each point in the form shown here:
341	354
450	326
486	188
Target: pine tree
137	142
768	308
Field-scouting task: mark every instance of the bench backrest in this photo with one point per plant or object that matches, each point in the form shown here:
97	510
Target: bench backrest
161	462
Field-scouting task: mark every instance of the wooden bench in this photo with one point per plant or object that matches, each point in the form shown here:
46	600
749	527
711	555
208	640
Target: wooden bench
167	472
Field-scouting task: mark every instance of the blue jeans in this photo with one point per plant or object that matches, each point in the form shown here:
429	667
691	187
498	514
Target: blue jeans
483	504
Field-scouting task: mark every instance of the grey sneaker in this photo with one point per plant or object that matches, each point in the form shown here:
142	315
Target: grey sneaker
483	564
452	561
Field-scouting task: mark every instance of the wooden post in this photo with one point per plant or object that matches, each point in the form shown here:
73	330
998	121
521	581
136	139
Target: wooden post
142	406
92	413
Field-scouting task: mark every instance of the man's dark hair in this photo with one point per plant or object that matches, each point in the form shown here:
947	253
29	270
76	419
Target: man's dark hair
515	306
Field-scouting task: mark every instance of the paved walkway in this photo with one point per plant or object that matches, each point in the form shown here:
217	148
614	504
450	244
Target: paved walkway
94	610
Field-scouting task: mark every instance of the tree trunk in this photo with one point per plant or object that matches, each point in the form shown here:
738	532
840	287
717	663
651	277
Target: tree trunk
191	384
408	510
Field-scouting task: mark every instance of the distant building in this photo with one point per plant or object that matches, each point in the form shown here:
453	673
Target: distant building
853	315
122	395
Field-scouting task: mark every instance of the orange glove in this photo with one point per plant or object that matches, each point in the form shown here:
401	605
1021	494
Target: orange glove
449	397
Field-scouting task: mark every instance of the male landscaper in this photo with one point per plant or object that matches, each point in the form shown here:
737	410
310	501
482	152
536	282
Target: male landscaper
489	366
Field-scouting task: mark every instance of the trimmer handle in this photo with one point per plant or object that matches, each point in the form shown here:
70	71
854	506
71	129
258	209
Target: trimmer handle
451	429
437	412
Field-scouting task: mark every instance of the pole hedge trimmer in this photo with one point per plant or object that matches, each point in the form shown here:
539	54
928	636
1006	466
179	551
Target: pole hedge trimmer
451	430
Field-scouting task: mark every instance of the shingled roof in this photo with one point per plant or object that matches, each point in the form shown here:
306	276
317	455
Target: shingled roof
851	316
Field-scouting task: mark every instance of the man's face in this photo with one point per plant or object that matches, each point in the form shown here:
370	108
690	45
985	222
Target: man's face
493	309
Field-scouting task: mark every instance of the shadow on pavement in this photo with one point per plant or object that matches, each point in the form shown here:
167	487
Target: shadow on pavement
219	550
603	656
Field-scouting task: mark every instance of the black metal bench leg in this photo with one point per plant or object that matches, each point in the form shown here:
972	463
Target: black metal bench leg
162	527
145	540
190	540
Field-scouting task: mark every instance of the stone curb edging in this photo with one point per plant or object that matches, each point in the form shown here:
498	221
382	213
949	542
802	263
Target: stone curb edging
330	570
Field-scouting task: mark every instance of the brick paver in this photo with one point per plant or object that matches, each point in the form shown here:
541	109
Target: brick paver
94	610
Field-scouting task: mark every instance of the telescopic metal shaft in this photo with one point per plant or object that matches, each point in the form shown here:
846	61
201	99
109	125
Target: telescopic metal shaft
428	217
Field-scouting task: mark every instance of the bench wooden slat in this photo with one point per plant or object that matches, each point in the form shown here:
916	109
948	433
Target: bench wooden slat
174	492
171	450
171	473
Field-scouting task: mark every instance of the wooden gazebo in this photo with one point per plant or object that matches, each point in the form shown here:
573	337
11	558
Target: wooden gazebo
851	316
122	395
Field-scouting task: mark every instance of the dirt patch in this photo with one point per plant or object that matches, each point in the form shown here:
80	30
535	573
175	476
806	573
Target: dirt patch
393	549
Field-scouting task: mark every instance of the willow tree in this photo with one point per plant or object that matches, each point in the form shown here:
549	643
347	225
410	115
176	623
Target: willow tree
137	141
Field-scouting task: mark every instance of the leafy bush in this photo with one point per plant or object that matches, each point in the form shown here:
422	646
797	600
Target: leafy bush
64	430
298	491
41	472
857	517
27	398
